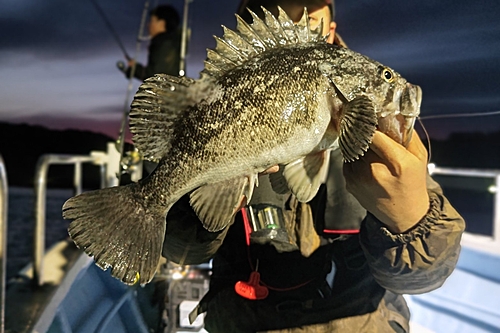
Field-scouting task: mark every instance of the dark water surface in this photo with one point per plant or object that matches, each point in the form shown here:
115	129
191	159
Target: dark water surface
472	197
21	224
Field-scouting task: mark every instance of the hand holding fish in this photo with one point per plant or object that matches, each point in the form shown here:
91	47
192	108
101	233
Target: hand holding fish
390	181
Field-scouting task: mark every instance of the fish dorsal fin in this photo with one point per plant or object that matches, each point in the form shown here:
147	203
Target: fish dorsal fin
156	105
249	40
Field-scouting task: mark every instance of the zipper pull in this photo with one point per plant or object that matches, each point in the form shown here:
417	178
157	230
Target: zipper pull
252	289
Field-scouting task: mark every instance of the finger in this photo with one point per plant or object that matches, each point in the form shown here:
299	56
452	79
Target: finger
417	148
273	169
386	148
360	169
370	157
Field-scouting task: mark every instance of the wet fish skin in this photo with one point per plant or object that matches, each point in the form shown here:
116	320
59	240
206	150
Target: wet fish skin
213	135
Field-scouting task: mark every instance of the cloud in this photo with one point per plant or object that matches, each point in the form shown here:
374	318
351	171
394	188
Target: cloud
450	48
61	29
59	57
61	87
416	32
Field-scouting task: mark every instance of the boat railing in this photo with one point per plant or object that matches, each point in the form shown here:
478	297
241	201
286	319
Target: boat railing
109	166
489	243
3	240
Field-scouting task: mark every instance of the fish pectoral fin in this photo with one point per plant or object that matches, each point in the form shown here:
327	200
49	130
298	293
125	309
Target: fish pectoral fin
114	227
278	181
357	127
216	204
305	175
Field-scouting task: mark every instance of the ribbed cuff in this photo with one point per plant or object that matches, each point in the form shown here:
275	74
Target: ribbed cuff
379	231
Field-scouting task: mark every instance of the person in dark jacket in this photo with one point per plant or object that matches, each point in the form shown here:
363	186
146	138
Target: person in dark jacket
378	228
165	45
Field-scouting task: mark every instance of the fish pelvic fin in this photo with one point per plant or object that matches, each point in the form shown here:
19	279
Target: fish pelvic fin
113	226
216	204
249	40
305	175
357	128
159	101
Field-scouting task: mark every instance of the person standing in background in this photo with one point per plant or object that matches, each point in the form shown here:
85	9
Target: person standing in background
165	46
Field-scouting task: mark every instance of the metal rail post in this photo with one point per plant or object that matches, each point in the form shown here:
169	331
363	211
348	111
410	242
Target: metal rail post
120	142
496	213
495	174
3	240
40	192
184	38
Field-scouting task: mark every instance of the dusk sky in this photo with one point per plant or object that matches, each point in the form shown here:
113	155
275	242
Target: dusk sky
58	59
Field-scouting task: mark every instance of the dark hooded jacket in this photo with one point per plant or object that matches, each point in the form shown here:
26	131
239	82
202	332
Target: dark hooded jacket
370	268
163	56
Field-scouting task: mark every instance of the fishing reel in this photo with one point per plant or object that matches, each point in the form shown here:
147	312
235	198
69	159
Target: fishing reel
131	164
264	218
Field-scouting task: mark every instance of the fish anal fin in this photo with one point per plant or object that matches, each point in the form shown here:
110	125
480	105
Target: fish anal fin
357	127
305	175
216	204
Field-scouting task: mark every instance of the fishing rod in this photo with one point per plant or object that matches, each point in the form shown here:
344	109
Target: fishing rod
120	142
121	139
451	115
184	38
460	115
111	29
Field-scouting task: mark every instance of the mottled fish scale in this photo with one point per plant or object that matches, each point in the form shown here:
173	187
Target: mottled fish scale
272	92
249	115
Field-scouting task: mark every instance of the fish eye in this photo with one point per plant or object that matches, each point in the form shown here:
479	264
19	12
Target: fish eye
387	75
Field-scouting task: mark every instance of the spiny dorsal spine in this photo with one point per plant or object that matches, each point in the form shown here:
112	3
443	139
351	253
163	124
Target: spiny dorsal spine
250	40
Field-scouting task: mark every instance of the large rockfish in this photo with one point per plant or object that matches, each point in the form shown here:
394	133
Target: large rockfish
272	92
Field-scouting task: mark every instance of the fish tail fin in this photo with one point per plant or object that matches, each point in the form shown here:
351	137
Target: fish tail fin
115	226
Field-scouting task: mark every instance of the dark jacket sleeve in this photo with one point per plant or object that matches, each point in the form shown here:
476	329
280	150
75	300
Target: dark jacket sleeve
139	73
421	259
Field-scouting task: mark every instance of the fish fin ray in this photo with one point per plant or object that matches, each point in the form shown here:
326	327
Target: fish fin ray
124	236
303	28
250	40
157	104
216	204
306	174
357	127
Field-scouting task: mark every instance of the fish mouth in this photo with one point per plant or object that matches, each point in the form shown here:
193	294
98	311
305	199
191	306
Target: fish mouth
360	119
411	100
399	124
